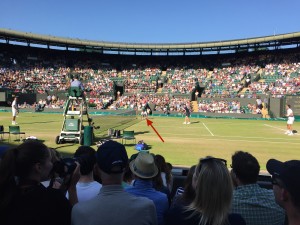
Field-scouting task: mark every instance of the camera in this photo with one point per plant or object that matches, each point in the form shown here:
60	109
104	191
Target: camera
64	166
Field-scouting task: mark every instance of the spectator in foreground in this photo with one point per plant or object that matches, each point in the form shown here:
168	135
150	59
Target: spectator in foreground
113	205
3	149
87	187
144	169
286	186
185	195
213	187
255	204
166	173
23	199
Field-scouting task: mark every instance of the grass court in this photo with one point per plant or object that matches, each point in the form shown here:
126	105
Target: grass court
183	144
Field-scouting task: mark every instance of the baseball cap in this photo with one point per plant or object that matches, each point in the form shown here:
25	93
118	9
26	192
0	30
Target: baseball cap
112	157
288	172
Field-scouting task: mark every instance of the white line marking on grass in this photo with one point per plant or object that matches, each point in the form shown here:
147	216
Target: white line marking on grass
278	128
222	136
238	140
208	129
275	127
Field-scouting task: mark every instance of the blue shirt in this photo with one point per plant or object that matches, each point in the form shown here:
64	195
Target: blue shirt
77	83
257	205
144	188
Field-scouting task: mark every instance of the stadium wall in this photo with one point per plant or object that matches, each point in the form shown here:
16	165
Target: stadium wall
276	106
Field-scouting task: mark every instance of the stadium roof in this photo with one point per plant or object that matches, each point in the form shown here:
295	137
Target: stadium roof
290	40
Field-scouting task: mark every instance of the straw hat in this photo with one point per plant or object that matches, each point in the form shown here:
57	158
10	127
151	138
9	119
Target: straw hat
144	166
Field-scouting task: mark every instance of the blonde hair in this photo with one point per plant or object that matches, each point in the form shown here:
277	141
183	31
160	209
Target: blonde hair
213	187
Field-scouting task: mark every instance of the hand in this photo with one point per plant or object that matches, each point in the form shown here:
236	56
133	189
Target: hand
70	180
72	187
75	176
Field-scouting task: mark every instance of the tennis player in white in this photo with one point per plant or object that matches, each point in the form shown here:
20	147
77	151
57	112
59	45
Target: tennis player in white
15	110
290	121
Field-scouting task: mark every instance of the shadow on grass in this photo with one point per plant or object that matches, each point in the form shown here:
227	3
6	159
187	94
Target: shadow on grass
40	122
141	132
65	145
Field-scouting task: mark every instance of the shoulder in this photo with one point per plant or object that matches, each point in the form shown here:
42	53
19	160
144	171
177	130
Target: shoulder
236	219
182	215
56	195
138	202
163	196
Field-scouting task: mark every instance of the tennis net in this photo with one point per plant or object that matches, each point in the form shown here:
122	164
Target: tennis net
117	120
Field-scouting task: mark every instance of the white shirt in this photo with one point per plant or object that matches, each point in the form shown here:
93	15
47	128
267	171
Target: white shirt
289	112
14	105
87	191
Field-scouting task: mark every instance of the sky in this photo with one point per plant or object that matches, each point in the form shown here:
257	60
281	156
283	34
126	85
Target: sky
153	21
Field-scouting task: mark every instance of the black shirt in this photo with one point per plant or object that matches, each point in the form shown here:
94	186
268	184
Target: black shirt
178	215
37	205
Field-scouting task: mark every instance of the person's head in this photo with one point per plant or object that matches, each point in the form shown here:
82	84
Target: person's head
189	191
161	163
28	161
245	167
214	189
286	181
86	156
169	166
288	106
128	176
112	160
143	166
55	155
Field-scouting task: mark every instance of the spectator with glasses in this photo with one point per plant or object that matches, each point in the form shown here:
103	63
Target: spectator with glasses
211	205
286	186
256	204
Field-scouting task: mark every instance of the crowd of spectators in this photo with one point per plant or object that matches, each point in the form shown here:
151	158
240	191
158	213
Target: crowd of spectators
278	79
274	75
92	189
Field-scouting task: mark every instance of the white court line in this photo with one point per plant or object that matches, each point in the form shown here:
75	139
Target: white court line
278	128
208	129
225	137
237	140
275	127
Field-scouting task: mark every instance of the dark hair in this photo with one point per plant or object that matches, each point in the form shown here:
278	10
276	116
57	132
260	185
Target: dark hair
189	191
17	164
245	166
163	167
87	158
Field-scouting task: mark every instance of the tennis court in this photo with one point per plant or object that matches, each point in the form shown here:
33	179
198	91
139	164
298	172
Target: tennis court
183	144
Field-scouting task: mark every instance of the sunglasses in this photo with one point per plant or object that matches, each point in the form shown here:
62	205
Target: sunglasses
210	159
